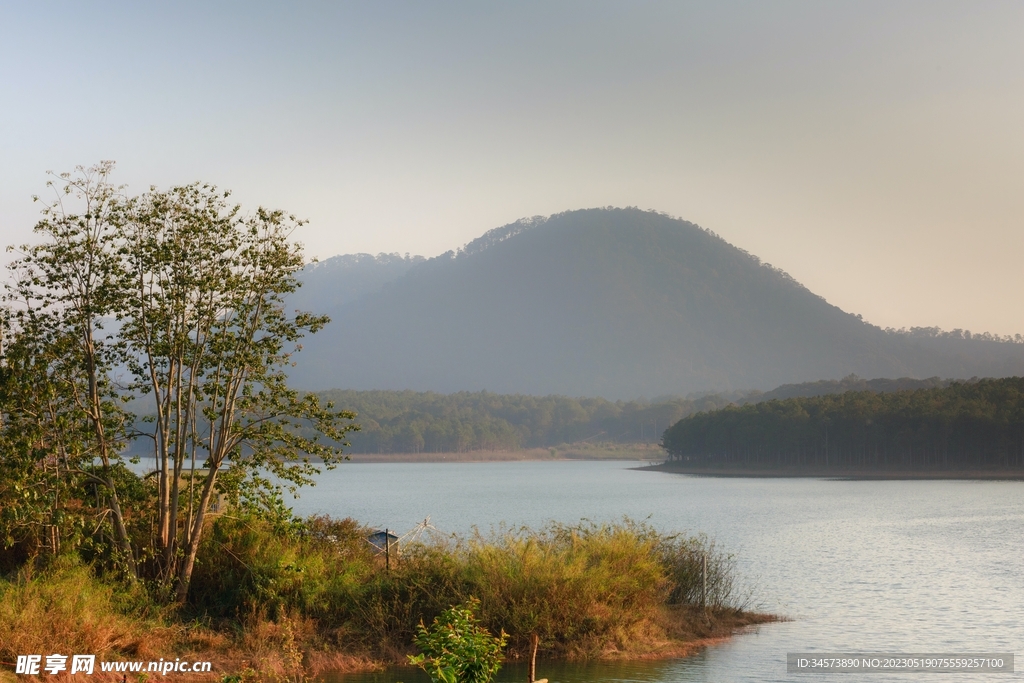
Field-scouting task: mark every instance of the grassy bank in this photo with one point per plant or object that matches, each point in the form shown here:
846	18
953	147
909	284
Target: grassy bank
283	601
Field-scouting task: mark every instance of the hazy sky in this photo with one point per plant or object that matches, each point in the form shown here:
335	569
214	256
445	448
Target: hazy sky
875	151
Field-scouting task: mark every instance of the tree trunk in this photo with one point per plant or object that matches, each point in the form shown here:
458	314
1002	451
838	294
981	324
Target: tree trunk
194	537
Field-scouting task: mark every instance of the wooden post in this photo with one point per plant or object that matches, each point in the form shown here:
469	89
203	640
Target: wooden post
534	640
387	549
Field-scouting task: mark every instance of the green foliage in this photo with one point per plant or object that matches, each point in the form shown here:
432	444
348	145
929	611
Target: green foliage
197	289
456	649
414	422
840	386
965	425
62	424
390	604
252	566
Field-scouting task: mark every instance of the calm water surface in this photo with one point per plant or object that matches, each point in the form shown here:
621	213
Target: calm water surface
892	566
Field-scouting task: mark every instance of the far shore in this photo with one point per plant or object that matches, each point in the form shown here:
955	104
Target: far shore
633	452
882	475
651	458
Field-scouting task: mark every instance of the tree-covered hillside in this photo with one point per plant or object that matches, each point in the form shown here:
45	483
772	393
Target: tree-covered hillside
618	303
962	426
840	386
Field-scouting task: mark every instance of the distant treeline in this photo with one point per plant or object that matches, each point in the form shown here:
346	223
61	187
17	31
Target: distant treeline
415	422
939	333
428	422
963	425
839	386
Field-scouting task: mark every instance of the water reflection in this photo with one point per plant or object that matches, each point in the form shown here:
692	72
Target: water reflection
652	671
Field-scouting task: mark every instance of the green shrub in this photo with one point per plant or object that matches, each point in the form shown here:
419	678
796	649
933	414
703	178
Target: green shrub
456	649
250	567
428	579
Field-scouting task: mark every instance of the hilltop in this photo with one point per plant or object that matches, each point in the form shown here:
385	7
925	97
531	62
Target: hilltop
619	303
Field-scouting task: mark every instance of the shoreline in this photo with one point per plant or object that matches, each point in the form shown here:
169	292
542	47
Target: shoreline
721	627
687	632
566	452
845	475
650	458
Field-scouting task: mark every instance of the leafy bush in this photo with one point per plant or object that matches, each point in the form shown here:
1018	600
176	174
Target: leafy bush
249	567
456	649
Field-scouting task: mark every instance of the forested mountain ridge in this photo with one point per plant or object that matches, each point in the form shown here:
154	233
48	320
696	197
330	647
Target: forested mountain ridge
618	303
849	383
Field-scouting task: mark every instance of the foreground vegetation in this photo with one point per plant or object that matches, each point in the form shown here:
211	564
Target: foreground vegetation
965	426
175	300
293	597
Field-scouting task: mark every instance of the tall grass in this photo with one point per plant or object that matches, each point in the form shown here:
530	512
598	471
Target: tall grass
66	607
582	589
699	573
586	590
248	568
290	600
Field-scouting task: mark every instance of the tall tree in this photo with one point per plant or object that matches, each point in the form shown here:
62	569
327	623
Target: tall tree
209	340
192	291
60	359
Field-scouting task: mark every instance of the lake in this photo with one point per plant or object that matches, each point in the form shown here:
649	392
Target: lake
865	566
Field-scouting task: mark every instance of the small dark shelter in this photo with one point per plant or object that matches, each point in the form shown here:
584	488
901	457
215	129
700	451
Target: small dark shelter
384	541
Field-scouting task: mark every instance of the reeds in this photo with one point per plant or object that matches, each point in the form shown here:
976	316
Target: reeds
586	590
583	589
292	601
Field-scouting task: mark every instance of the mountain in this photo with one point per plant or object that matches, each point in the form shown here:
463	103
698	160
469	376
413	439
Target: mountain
618	303
336	281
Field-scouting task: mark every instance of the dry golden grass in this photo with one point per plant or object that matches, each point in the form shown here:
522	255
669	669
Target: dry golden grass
298	605
68	610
